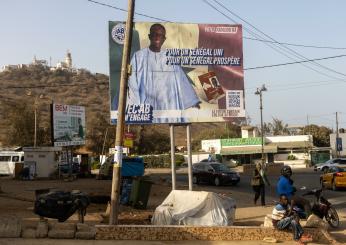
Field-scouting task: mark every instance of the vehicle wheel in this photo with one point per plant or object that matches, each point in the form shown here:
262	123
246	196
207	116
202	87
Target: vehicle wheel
324	169
217	181
334	187
332	218
195	180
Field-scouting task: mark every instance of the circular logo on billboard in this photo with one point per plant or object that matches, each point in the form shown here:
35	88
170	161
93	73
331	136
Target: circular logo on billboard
118	33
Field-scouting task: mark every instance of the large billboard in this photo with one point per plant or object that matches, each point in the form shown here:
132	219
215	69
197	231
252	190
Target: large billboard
68	125
180	73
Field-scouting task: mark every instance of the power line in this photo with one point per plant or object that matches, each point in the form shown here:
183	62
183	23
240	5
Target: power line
277	49
296	62
152	17
291	86
293	52
124	10
249	38
293	44
286	84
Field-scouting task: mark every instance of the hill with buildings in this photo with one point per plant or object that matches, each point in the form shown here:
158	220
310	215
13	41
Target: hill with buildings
37	84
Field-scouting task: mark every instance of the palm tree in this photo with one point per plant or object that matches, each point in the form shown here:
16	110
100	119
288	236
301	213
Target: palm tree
279	128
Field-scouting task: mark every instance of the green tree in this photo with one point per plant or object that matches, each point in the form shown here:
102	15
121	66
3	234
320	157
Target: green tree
96	134
151	140
20	122
320	134
279	128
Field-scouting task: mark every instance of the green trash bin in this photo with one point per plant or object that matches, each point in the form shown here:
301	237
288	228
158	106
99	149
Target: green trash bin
140	192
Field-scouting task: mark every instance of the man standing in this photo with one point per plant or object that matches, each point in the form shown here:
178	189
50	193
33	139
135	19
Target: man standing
155	82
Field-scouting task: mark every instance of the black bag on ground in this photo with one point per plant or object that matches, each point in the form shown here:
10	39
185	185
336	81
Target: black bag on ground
60	204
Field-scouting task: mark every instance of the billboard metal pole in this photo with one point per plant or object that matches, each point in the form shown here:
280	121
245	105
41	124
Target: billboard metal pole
189	155
113	218
171	131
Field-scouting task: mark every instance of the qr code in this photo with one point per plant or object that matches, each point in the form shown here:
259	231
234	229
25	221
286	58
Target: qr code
233	99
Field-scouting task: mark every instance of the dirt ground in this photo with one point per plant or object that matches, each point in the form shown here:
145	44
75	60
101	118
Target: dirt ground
17	197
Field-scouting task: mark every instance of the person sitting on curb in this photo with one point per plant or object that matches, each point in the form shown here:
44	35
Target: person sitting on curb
283	219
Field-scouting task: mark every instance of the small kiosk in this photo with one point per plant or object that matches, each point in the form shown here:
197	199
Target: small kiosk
41	161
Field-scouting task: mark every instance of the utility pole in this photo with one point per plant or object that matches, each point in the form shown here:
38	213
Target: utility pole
125	70
259	92
337	135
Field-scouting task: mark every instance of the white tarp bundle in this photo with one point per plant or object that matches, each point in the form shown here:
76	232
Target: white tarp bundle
195	208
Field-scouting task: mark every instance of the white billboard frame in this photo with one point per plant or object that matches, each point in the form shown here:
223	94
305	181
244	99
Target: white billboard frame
68	124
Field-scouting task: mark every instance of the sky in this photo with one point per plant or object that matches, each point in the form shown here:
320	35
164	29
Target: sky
298	94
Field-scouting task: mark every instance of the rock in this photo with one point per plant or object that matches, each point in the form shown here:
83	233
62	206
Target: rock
83	227
270	240
268	221
61	234
316	222
64	226
10	226
87	235
42	229
29	233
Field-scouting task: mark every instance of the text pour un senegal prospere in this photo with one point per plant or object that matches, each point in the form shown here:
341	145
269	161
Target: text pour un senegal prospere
200	56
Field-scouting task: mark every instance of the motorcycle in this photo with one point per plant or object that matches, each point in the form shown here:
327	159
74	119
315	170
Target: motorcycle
321	208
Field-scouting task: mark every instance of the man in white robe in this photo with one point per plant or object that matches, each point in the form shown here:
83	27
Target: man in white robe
165	87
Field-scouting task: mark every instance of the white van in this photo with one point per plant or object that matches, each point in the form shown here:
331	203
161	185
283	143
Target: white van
8	159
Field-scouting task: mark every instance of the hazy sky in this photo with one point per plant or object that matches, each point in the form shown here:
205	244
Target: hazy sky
47	28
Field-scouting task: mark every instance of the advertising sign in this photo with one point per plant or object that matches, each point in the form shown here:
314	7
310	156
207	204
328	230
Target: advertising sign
241	141
68	125
180	73
339	144
128	139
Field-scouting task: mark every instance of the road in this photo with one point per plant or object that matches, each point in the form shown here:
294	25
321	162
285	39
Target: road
243	192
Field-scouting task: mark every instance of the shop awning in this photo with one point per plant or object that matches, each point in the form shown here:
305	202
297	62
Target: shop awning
244	150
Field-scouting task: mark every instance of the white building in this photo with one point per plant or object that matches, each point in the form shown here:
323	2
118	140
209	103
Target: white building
64	65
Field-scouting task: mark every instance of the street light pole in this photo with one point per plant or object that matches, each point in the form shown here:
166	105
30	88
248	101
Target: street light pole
259	92
35	114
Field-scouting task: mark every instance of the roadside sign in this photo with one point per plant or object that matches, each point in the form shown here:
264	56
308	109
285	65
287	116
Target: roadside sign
339	144
128	139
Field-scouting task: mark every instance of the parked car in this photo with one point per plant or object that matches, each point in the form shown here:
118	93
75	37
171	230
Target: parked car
338	162
334	178
214	173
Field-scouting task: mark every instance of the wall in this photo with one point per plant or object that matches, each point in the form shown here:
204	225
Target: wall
181	233
276	139
45	163
333	146
197	157
284	156
211	145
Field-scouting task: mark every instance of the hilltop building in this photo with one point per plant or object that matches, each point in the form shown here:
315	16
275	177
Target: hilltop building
62	65
36	62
